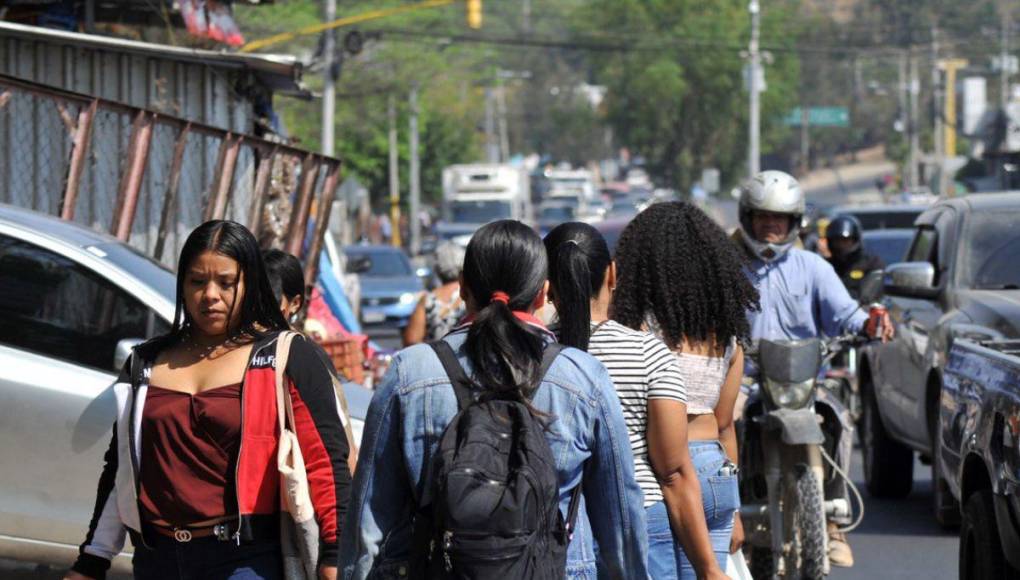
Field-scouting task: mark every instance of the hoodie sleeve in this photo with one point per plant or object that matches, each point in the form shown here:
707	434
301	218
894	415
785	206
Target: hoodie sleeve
323	442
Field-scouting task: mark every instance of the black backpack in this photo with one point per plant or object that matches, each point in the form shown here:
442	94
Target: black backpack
491	509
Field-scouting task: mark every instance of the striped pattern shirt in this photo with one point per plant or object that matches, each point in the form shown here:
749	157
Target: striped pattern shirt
642	367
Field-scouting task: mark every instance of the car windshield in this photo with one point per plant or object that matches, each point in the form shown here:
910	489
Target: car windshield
990	255
480	212
563	213
383	264
889	248
879	220
570	200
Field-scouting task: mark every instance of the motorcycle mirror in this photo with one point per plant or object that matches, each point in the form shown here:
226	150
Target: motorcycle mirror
871	287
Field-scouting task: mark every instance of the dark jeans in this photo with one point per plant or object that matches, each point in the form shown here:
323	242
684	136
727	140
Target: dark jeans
208	559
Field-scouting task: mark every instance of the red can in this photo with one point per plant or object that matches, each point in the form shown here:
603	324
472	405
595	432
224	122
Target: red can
876	313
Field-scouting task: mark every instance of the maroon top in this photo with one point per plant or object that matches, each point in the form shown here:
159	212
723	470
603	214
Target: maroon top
189	451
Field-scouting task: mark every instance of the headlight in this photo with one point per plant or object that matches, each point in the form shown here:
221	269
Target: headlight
407	297
790	395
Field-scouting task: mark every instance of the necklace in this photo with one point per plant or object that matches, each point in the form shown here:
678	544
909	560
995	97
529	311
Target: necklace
203	351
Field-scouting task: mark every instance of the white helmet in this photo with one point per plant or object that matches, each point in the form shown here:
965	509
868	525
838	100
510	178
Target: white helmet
775	192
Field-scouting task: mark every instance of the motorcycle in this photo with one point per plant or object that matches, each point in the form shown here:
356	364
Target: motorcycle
790	425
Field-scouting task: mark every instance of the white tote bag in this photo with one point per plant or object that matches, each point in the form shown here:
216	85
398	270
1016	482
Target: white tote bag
736	567
299	532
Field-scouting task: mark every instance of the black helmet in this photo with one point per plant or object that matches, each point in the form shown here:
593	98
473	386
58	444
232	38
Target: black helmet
844	227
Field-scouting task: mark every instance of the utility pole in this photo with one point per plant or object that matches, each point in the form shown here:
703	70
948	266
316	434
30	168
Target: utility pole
754	138
394	172
526	16
504	135
491	144
329	88
949	131
937	91
914	124
415	177
1004	57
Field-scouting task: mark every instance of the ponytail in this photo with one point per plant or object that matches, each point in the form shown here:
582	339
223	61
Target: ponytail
578	260
504	269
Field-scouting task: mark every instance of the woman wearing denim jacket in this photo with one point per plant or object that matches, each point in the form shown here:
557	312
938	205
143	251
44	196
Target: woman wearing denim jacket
681	277
503	283
647	376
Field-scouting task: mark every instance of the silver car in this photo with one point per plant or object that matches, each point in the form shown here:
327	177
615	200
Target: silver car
72	304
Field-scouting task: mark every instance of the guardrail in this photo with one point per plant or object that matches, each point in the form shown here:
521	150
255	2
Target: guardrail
149	178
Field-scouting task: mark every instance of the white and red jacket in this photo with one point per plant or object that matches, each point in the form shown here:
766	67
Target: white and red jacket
320	433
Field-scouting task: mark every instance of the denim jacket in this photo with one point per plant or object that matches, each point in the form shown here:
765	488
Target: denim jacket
409	412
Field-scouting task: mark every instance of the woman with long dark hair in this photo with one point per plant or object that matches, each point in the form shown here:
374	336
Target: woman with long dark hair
582	280
681	277
501	348
191	473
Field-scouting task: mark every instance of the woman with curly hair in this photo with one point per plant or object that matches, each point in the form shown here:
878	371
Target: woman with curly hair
647	379
681	277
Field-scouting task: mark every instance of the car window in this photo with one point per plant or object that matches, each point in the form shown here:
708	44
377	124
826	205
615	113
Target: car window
53	306
989	260
921	248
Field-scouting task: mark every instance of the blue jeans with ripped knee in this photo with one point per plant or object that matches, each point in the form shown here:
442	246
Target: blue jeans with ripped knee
720	498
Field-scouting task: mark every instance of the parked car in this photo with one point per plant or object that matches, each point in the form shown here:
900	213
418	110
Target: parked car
890	245
73	302
877	217
390	288
979	445
961	279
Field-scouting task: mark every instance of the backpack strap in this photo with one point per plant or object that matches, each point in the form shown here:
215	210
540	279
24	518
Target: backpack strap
458	378
572	509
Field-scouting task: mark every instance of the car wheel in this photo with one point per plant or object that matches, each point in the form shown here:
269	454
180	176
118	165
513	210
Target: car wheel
981	554
946	508
888	465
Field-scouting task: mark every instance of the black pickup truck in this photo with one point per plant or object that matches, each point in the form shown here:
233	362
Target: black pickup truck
979	453
961	279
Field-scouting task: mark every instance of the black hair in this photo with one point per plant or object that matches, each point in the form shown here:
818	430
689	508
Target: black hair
578	260
259	313
677	269
506	353
286	277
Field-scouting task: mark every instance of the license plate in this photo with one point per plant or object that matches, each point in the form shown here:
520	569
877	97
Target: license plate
373	317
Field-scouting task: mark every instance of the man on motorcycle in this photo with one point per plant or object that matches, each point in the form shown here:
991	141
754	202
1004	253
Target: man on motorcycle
847	255
801	297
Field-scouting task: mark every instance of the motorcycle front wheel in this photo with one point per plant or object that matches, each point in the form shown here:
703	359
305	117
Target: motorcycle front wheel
810	524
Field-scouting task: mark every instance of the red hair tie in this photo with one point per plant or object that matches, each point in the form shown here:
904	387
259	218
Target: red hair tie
500	296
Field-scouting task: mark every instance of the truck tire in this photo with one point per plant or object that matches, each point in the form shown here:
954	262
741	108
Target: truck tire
810	525
981	554
888	465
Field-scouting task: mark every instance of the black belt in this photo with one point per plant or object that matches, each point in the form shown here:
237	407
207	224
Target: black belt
254	528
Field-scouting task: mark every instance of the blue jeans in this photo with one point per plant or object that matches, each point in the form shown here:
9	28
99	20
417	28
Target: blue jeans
208	559
720	498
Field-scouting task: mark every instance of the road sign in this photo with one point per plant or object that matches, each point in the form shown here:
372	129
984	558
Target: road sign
819	117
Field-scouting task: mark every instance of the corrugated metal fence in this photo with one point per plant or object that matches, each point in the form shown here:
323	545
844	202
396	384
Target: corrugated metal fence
149	178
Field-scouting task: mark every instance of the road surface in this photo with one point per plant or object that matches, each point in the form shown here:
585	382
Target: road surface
899	539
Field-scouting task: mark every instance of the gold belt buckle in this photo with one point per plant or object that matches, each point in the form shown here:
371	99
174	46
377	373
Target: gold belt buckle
182	536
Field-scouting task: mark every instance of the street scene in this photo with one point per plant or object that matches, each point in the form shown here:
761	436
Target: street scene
318	289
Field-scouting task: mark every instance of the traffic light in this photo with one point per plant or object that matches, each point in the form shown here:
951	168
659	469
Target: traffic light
474	13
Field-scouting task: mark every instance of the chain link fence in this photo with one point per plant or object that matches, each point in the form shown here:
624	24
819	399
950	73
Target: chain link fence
150	179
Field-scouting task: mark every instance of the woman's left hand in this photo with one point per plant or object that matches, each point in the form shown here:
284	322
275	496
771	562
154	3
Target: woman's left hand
327	572
737	539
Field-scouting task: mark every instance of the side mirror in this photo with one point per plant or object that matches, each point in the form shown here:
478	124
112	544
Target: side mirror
871	287
359	265
123	351
911	280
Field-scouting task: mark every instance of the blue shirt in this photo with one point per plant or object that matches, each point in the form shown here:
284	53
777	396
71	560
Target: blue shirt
801	297
408	414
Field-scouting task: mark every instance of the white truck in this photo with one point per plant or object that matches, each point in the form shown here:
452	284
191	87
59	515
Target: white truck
576	187
474	195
